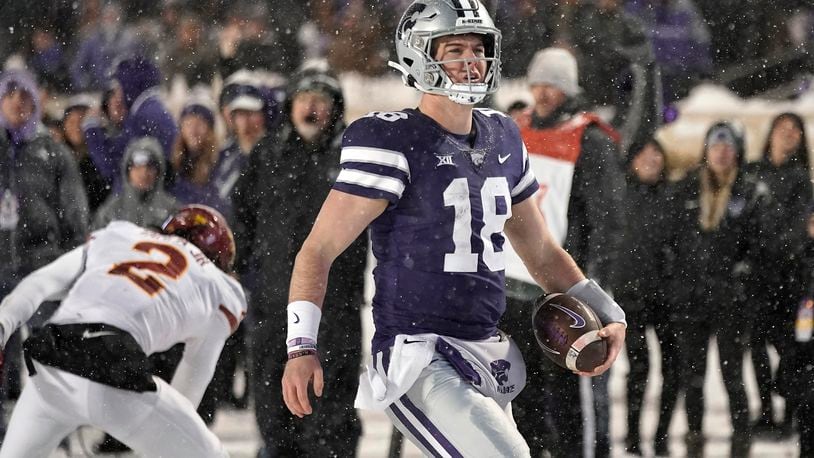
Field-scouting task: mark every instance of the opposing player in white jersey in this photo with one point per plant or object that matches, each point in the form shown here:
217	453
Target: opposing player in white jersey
128	292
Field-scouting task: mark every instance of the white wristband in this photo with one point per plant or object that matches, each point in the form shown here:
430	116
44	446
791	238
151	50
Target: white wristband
589	292
303	324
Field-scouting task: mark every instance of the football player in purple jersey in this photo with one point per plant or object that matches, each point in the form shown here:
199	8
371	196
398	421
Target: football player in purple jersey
440	187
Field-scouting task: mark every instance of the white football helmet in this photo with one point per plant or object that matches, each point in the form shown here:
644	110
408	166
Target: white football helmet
426	20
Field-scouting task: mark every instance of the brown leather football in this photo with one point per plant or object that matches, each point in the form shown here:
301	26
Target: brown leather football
566	330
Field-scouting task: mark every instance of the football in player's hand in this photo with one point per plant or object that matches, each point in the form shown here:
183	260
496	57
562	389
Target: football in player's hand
566	330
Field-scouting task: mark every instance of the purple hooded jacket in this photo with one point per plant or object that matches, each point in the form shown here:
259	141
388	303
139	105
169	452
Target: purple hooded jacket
24	81
147	116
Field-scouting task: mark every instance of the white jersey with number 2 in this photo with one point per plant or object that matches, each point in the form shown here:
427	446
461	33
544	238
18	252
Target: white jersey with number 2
159	288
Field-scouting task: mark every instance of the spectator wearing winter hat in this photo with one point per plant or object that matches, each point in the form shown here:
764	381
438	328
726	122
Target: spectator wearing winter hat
243	104
575	157
248	119
246	109
43	208
194	156
722	212
147	116
290	172
143	199
97	187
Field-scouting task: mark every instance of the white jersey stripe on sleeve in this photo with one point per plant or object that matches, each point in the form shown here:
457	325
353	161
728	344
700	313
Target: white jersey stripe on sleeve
371	180
525	155
527	179
376	156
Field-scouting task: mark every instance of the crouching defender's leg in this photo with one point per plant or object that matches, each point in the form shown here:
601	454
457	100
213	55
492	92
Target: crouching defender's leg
41	418
158	423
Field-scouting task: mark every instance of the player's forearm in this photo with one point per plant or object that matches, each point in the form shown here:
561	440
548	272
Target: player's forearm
549	265
309	280
556	271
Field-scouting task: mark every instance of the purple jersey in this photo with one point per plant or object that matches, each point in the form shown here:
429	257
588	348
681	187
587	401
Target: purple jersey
439	244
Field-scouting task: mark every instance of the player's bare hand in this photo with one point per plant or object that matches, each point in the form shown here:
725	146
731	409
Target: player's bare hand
614	335
299	373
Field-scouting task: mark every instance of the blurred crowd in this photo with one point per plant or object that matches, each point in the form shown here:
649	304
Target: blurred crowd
129	110
72	46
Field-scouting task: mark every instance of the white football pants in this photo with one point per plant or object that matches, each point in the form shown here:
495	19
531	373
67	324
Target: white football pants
445	416
54	403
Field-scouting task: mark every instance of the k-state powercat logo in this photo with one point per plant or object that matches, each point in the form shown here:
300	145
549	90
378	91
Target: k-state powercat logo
500	370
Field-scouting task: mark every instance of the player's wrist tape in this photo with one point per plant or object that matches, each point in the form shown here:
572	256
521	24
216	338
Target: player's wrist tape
589	292
303	326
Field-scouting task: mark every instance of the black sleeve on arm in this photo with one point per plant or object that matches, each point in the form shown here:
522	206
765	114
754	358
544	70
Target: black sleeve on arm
600	187
246	196
73	210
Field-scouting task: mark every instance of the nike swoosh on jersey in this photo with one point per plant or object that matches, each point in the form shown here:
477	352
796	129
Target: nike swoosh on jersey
502	159
412	341
91	335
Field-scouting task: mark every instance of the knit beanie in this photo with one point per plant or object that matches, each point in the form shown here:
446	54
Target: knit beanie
557	67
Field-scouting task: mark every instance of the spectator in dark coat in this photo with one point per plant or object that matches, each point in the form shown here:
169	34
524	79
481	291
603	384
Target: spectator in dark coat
248	122
784	168
43	211
246	109
290	173
147	116
97	187
796	371
143	199
43	208
604	37
722	212
648	244
248	40
575	157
